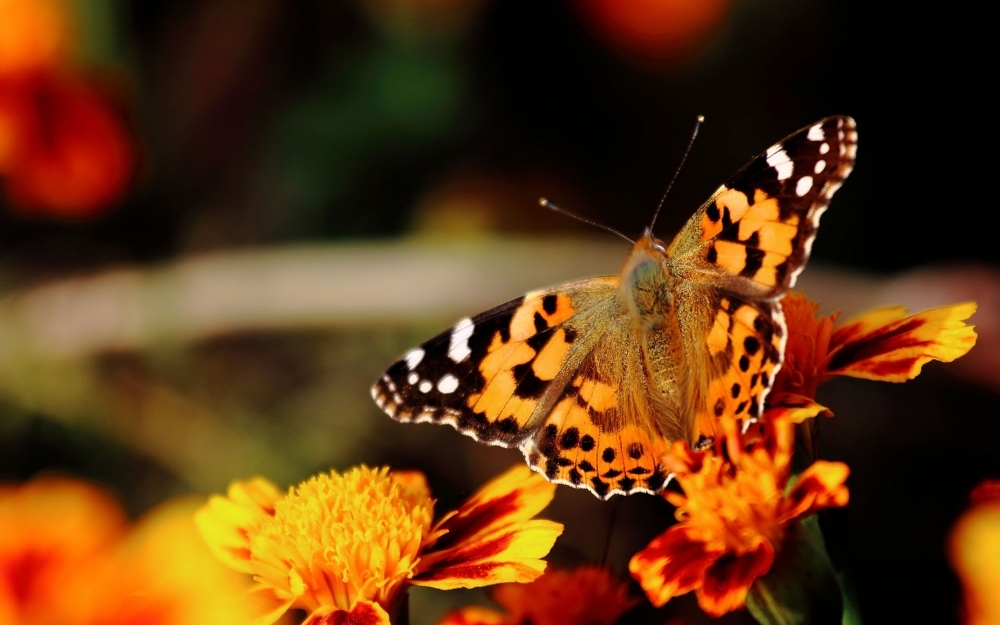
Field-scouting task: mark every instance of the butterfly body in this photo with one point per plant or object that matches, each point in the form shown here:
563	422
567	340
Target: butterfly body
593	380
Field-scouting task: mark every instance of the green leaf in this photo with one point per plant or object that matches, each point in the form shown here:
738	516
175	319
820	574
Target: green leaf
801	587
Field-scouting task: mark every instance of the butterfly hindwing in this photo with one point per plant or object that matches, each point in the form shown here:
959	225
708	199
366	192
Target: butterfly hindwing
600	433
755	233
491	376
742	353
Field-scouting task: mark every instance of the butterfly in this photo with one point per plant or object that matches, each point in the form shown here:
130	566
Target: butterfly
594	380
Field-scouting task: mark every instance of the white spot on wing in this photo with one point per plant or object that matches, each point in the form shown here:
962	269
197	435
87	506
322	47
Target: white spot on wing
823	149
778	158
803	185
413	378
459	350
820	166
448	383
413	358
816	133
425	386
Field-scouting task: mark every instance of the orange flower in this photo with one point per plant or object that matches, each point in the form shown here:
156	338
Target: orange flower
63	150
67	556
733	515
974	551
346	546
883	344
588	594
655	29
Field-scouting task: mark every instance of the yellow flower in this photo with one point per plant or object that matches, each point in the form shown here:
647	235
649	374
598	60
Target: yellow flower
733	515
347	546
974	551
883	344
68	556
588	595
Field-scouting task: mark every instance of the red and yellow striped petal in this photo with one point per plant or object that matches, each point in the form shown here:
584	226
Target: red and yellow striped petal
474	615
674	563
512	553
820	486
728	580
887	345
223	522
492	537
794	408
364	613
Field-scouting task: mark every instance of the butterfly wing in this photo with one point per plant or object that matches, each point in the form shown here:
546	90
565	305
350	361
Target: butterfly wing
494	377
754	235
558	373
736	361
601	433
740	252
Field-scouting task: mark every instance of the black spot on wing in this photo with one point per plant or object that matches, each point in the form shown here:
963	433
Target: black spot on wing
549	303
540	323
755	260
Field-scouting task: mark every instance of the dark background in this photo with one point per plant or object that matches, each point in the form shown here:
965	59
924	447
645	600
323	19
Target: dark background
269	123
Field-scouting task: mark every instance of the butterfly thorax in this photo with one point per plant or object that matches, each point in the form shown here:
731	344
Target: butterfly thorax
647	291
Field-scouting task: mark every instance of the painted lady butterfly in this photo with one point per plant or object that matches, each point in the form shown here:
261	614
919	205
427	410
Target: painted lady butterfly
594	379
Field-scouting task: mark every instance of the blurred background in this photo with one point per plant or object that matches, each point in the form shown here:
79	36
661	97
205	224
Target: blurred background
221	220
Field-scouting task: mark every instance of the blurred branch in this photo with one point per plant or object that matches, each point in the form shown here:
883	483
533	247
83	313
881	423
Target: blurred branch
51	334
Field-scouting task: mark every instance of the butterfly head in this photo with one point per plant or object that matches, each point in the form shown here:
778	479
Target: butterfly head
645	285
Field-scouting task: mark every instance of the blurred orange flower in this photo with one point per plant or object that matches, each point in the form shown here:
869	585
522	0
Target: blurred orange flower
733	515
655	29
63	150
974	551
68	556
346	546
589	594
883	344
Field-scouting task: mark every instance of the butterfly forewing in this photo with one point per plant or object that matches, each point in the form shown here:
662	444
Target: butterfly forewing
495	375
754	235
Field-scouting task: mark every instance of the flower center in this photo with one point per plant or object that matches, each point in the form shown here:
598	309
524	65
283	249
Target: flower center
337	539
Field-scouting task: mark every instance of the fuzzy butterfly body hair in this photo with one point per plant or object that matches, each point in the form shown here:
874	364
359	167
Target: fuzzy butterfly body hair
593	380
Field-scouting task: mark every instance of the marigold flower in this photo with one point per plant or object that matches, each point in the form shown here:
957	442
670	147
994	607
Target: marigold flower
68	556
589	594
63	149
974	551
347	546
733	515
883	344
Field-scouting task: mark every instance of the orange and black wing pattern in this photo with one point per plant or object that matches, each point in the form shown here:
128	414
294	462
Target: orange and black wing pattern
494	376
754	235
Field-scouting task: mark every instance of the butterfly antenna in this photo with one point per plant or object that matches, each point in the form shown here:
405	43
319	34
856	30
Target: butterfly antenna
549	205
694	133
611	527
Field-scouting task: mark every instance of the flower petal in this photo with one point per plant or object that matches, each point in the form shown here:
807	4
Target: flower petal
728	580
267	604
511	553
517	495
589	594
886	345
473	615
364	613
820	486
795	408
974	553
672	564
223	522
